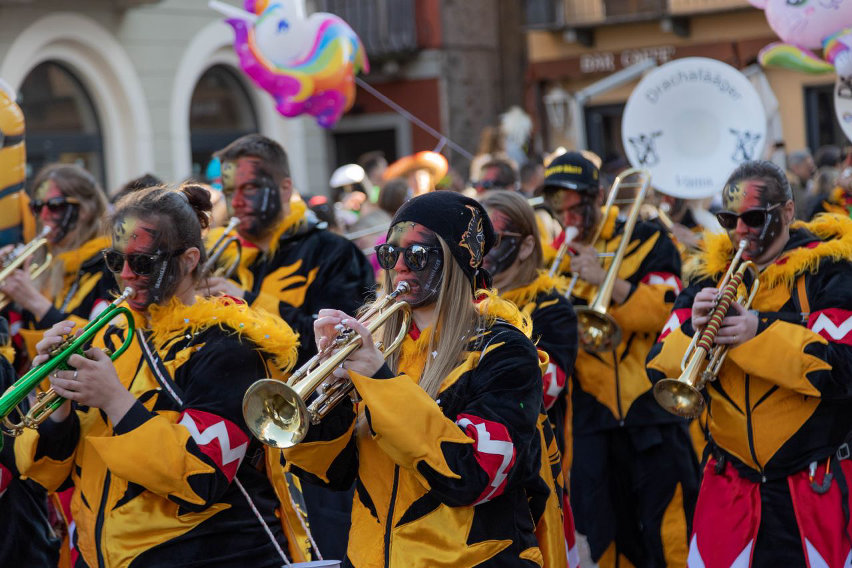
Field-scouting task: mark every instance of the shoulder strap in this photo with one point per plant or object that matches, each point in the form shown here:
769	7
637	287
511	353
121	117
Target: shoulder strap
159	369
802	295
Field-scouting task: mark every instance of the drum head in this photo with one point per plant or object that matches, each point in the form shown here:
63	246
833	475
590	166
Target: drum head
843	104
690	123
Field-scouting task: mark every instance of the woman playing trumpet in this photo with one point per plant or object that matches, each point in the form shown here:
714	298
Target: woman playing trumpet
444	446
163	467
69	203
775	488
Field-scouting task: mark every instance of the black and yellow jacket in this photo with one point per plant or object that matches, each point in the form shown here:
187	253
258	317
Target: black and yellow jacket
306	269
457	481
782	398
87	288
612	389
554	332
160	487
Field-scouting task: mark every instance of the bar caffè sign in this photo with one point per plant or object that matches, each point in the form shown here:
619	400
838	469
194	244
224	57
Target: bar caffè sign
608	61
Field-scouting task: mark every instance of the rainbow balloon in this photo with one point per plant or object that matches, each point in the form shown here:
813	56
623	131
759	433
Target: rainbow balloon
308	65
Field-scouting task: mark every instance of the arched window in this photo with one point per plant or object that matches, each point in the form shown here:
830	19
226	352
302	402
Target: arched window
220	112
61	121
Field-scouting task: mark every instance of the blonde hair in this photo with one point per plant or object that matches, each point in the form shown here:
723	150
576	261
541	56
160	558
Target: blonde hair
457	321
522	217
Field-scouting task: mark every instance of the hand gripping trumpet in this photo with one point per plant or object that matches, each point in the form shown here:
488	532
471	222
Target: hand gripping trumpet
276	412
18	257
214	254
598	329
682	396
49	401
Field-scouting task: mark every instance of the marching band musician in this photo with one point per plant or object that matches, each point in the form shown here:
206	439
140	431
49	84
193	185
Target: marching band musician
164	469
634	475
514	263
77	285
444	445
775	491
514	266
292	267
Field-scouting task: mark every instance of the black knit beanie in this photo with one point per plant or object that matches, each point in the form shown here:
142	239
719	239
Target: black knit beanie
463	224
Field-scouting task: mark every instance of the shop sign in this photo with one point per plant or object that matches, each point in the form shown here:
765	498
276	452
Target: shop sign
609	61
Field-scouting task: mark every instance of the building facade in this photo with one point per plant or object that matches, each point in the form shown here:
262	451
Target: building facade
575	43
127	87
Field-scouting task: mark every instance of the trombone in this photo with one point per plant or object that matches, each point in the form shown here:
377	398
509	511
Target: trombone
215	252
276	412
47	402
18	257
598	330
682	396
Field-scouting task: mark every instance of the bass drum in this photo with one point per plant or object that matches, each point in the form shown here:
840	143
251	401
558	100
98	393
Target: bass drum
690	122
843	104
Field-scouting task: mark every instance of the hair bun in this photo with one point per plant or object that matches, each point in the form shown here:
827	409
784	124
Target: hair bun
198	197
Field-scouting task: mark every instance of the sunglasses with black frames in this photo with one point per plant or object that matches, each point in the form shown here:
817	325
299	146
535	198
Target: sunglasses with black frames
753	218
54	204
414	256
142	264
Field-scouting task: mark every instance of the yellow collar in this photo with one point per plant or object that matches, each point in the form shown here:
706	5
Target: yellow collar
265	330
72	260
292	221
542	284
834	232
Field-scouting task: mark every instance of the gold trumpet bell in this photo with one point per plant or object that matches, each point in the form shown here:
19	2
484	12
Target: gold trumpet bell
275	413
599	332
679	398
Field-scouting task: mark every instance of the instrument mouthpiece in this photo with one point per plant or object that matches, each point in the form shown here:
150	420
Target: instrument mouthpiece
402	288
128	293
232	224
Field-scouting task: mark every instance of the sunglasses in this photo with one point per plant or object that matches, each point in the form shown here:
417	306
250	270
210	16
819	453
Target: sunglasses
505	236
141	264
54	204
415	257
753	217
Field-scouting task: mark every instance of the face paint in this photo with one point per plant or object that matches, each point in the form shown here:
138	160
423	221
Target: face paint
425	284
575	209
751	194
252	196
502	256
135	236
61	221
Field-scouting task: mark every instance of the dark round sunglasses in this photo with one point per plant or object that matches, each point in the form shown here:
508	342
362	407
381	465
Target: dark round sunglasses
142	264
753	217
54	204
415	257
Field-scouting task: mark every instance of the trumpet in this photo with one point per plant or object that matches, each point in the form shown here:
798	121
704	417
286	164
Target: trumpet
215	252
18	257
47	402
682	396
598	330
276	412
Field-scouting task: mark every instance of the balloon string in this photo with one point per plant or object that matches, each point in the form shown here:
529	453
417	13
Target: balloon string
411	118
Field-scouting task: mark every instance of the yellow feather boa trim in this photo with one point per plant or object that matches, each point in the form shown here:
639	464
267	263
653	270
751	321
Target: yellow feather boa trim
491	307
293	219
543	284
835	231
265	330
73	259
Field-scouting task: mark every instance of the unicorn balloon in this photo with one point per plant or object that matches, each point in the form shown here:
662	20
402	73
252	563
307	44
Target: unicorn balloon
807	25
307	64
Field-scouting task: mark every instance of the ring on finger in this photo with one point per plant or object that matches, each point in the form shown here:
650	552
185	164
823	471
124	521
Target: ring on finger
74	376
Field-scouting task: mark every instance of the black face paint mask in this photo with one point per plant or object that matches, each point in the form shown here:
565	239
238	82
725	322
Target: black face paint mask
771	229
66	224
267	206
501	257
427	282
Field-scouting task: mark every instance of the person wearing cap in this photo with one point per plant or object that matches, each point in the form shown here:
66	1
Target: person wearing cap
292	267
634	474
444	444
